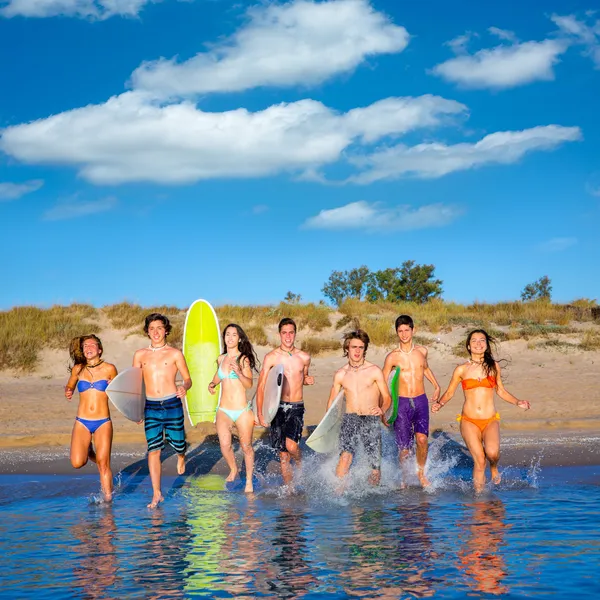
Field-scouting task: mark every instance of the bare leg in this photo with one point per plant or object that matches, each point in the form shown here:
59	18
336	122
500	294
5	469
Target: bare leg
181	464
472	436
286	467
491	443
81	440
342	470
422	448
245	427
403	459
103	439
155	467
224	424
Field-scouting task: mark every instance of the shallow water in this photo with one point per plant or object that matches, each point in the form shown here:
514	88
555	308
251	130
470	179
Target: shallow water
536	535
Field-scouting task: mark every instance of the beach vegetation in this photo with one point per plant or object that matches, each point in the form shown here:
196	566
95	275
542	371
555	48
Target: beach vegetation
316	346
538	290
590	340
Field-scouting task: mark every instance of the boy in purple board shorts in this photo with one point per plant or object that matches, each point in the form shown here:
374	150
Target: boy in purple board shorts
412	422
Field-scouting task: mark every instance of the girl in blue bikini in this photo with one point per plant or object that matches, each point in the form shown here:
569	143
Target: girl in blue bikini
91	375
234	373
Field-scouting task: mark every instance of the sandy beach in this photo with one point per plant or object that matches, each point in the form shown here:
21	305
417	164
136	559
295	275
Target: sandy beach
561	385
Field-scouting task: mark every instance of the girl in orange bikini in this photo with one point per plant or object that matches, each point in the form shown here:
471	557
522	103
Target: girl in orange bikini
480	377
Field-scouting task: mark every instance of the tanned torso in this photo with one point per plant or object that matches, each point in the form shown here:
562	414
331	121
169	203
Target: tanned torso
159	369
294	369
412	370
360	387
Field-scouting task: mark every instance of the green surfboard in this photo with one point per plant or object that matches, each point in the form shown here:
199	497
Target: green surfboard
394	383
201	347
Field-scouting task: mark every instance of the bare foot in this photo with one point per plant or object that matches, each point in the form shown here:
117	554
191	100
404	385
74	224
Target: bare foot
108	497
249	489
496	477
232	475
156	500
424	481
181	464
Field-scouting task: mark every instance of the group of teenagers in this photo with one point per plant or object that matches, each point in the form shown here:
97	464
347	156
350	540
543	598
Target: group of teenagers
364	384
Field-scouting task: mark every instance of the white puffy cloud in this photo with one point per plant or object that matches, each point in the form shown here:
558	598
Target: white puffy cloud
432	160
12	191
85	9
558	244
579	32
503	66
297	43
376	217
131	139
73	208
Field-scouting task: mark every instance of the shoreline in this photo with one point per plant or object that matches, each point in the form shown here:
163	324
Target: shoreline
556	448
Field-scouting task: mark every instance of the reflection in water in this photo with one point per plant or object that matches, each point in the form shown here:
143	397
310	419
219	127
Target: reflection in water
163	556
96	569
207	518
289	574
480	558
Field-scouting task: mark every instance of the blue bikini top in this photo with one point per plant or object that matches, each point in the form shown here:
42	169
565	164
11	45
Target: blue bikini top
223	375
84	386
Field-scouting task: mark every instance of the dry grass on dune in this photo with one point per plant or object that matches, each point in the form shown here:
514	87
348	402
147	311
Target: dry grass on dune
316	346
25	330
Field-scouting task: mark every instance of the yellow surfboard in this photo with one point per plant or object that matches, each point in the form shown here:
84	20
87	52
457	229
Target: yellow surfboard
201	347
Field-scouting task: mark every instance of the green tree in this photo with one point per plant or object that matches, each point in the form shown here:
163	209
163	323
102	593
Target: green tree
409	283
291	298
538	290
346	284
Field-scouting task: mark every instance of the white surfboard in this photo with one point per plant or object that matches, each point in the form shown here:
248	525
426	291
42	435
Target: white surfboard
273	387
128	393
325	437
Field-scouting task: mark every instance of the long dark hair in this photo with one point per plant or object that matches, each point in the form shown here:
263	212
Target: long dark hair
489	362
244	346
76	349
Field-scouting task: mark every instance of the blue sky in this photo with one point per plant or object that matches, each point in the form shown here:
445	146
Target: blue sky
161	152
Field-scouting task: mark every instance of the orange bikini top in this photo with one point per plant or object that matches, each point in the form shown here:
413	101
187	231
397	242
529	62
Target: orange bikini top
488	382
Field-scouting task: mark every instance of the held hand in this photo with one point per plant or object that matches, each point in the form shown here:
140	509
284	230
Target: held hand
435	407
309	380
180	392
436	395
524	404
211	388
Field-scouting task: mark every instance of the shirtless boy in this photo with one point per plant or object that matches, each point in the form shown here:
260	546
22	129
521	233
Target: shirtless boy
413	408
163	413
286	427
364	387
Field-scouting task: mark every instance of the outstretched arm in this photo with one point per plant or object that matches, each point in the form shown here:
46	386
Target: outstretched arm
447	396
431	377
506	395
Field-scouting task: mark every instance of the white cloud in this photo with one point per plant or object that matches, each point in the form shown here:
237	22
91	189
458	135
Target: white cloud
259	209
85	9
375	217
12	191
458	45
297	43
435	159
131	139
504	34
592	185
503	66
557	244
580	32
73	208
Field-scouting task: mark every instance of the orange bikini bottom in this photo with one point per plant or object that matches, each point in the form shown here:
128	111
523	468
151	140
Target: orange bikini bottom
481	423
